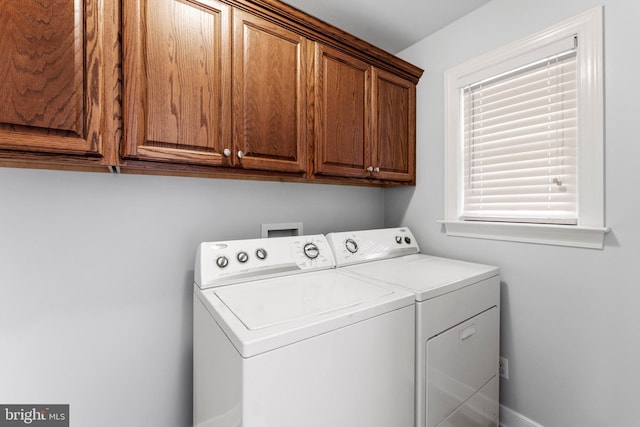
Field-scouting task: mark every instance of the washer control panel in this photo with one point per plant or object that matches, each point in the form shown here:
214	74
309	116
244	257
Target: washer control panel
353	247
236	261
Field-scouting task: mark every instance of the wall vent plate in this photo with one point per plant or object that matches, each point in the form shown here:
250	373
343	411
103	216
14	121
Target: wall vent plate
282	230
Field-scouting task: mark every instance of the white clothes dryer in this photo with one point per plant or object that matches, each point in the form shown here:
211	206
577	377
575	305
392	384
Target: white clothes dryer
283	339
457	323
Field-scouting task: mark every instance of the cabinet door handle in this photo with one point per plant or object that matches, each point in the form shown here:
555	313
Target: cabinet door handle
376	169
370	169
226	152
240	154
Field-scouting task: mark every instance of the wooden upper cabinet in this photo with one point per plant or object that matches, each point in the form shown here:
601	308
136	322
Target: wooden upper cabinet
201	87
269	95
177	80
364	119
342	114
393	127
50	76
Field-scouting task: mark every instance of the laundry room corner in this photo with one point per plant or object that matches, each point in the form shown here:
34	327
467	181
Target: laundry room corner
567	312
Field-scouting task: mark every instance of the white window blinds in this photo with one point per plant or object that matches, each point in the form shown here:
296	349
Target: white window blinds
519	138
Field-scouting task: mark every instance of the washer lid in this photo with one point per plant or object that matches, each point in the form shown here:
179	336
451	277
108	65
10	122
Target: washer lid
266	314
272	302
426	276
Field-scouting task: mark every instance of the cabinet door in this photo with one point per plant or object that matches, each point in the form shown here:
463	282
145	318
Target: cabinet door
177	68
50	77
269	95
393	127
342	114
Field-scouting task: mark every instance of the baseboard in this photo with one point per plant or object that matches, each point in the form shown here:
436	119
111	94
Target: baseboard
510	418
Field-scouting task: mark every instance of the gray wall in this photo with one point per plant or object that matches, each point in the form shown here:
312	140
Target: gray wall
570	317
96	276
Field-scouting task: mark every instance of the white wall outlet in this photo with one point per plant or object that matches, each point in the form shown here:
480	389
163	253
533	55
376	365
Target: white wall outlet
503	367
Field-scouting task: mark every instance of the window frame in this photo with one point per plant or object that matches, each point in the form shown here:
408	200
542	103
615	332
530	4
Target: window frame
590	230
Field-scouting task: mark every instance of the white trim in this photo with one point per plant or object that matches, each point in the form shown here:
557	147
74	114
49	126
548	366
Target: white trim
590	229
560	235
511	418
591	123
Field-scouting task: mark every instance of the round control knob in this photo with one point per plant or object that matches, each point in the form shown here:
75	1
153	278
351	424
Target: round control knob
351	246
398	239
222	261
261	254
240	154
226	152
311	250
407	240
242	257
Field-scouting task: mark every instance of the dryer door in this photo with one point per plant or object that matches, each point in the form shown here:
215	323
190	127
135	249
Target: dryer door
460	362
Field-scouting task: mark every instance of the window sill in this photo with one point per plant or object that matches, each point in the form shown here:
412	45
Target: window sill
560	235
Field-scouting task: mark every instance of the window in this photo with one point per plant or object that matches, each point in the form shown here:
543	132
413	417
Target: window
519	136
524	139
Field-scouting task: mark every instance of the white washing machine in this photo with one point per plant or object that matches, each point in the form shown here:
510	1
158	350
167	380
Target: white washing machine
457	323
283	339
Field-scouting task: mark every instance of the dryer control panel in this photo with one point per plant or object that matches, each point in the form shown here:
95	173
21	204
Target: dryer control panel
236	261
353	247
